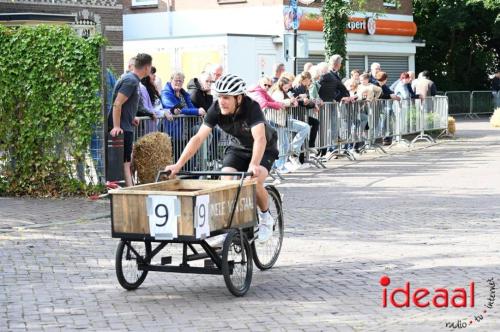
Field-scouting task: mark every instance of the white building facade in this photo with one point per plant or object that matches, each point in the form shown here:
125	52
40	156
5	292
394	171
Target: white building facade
248	40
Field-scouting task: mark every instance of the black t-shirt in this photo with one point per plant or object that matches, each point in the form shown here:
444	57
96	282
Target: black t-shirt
239	125
495	84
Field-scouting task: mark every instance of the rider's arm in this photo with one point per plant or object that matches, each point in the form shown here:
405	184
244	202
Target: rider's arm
193	145
259	143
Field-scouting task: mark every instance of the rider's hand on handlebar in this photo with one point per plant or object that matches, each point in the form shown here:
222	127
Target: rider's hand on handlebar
255	169
174	169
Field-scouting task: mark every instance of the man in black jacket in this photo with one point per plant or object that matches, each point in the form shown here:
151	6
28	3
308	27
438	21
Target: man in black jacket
495	88
199	91
331	84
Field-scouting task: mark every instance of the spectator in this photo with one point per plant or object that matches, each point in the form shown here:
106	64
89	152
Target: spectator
412	78
122	118
352	87
354	78
424	86
314	88
173	96
275	114
156	80
403	89
175	99
141	110
279	69
374	69
331	86
149	98
260	94
199	90
366	90
300	91
387	94
495	82
355	73
216	71
130	66
323	68
495	88
307	66
279	92
110	86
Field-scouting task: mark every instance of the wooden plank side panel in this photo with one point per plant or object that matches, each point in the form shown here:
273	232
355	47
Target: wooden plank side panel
185	222
221	204
130	213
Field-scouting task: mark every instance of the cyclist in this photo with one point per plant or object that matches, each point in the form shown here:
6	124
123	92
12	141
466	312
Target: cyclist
253	145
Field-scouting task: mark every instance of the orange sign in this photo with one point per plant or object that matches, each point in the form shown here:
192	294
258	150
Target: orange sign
365	25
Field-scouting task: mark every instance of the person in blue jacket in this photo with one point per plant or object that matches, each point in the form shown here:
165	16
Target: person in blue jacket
175	99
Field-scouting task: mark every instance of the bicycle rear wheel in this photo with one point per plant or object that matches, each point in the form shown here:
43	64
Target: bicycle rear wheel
266	254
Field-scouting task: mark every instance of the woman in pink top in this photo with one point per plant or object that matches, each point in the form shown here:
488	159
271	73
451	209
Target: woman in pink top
259	94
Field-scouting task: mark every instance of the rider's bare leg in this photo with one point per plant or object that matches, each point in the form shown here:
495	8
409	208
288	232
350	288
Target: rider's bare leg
262	197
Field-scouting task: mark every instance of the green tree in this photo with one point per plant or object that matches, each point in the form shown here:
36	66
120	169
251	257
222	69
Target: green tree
462	41
335	18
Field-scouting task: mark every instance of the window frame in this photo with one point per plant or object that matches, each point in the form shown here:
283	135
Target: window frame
144	3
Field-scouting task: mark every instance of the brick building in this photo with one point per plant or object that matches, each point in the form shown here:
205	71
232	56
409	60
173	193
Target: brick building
86	16
249	36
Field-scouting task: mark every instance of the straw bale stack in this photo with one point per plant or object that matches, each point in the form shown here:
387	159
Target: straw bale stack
152	153
452	128
495	118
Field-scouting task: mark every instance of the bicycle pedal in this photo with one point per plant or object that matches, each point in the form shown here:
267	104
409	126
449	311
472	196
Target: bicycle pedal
166	260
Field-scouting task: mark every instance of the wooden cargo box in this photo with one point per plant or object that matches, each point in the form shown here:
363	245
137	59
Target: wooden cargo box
179	208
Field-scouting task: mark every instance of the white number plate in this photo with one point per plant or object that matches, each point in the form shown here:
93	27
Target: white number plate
163	212
202	216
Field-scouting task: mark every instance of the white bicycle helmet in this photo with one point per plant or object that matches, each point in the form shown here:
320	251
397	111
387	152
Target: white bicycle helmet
230	85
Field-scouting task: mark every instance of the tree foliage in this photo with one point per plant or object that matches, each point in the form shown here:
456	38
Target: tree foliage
462	41
49	103
335	18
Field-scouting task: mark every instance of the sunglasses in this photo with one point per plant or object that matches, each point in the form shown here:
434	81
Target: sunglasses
267	85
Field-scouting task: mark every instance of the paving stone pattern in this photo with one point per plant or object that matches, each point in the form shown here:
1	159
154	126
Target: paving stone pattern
430	216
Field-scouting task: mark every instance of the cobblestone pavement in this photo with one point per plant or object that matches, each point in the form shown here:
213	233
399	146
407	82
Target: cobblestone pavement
430	216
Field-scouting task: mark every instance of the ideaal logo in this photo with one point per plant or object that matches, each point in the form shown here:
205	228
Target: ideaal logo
423	297
462	297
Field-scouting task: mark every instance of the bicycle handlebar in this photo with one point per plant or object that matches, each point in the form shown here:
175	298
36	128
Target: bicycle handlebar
201	173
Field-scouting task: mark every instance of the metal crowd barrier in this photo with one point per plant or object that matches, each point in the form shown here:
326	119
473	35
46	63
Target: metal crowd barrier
472	103
340	128
294	126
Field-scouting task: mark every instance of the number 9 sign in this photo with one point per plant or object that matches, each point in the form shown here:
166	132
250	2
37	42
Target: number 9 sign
162	212
202	217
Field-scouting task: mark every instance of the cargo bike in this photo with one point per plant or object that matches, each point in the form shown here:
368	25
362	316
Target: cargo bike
193	212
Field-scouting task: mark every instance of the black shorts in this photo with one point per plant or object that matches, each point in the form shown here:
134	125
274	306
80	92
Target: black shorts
128	143
240	159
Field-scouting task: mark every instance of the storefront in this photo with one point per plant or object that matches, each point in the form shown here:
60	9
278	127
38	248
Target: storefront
249	41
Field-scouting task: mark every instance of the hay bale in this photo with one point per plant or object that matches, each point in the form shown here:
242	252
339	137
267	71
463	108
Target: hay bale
452	128
495	118
151	154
